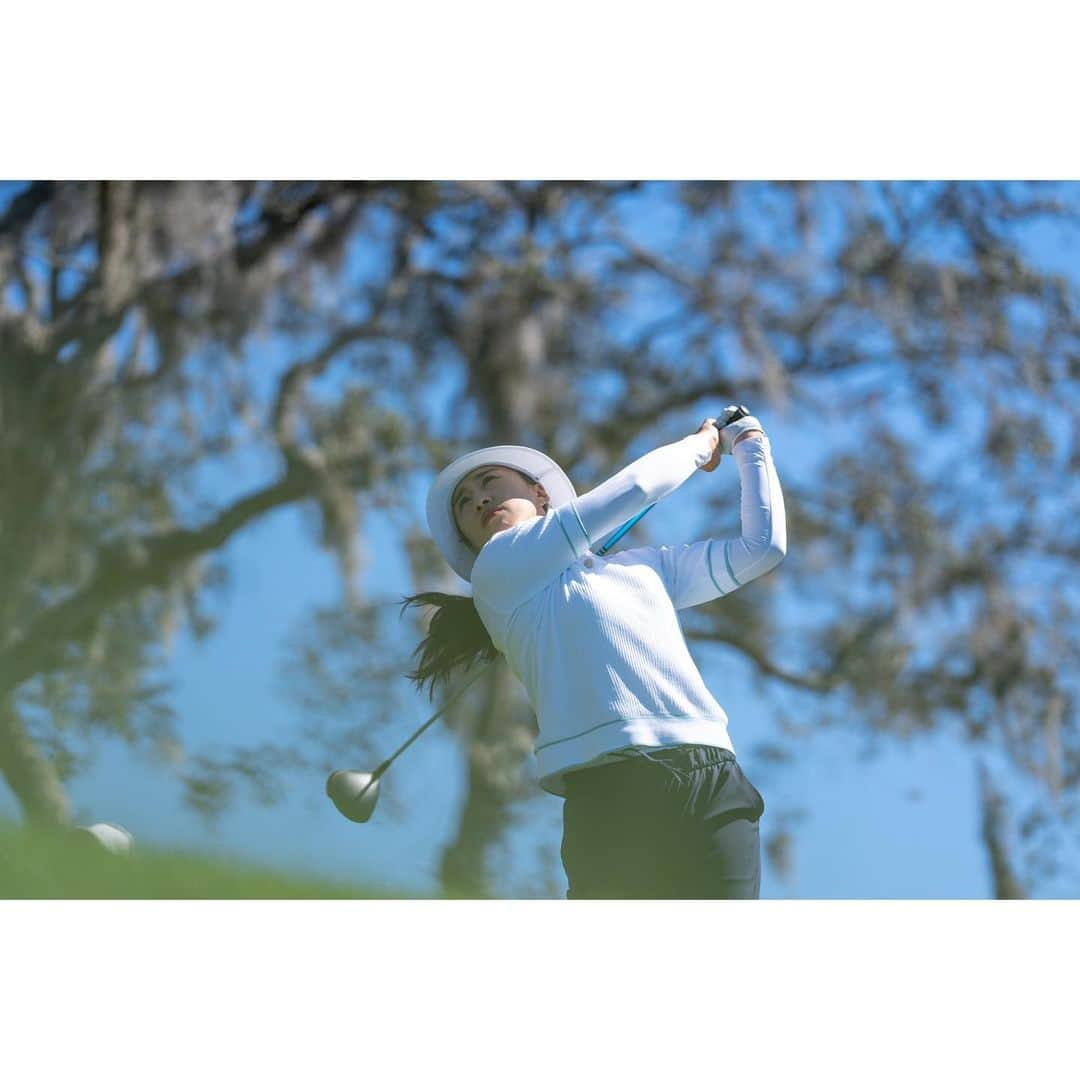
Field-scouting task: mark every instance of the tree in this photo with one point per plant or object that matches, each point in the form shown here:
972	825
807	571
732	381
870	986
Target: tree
128	310
913	340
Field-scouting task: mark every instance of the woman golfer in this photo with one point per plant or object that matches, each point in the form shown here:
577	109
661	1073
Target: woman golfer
656	805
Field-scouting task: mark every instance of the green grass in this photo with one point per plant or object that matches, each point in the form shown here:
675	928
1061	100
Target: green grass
38	865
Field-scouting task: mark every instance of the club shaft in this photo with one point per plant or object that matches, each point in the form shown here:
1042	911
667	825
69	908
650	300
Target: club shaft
623	530
427	723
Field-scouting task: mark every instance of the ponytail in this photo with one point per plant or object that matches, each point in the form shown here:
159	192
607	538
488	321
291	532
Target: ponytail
456	638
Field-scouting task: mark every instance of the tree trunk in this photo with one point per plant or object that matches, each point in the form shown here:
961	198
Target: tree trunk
497	746
507	346
485	815
31	776
1007	885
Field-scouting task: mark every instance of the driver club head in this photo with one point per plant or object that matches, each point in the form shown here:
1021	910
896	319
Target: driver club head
346	789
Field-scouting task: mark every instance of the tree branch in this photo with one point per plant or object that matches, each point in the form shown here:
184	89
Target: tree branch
25	205
818	683
993	827
126	567
621	429
273	228
293	381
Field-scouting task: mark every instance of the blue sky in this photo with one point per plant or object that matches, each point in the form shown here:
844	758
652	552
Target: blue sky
898	824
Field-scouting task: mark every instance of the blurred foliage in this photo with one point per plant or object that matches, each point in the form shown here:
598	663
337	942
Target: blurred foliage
910	346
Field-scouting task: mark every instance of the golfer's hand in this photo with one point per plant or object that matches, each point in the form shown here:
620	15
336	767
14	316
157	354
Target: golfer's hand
731	434
711	433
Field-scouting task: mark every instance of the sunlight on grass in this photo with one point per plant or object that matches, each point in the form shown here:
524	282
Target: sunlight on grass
49	865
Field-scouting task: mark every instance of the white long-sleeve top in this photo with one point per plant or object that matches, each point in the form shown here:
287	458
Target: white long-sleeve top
596	641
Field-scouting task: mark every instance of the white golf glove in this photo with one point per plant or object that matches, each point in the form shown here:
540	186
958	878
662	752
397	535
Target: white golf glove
730	431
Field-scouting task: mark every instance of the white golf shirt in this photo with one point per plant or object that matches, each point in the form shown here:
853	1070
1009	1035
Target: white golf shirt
596	641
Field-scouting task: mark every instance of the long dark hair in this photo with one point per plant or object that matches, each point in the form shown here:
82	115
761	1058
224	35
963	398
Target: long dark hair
456	636
456	639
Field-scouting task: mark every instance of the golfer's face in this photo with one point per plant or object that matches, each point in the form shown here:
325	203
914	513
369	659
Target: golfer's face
491	499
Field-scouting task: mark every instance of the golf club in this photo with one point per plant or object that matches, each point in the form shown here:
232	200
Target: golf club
355	793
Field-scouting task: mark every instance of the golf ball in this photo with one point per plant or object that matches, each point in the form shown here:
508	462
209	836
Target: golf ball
112	838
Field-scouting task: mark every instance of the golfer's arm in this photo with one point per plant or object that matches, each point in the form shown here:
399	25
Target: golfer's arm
763	540
515	564
699	572
640	484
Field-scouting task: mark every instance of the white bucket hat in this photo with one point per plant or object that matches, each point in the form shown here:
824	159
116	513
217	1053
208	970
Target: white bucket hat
440	515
